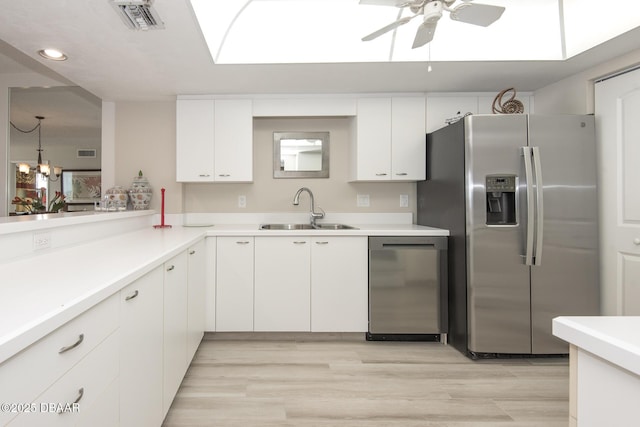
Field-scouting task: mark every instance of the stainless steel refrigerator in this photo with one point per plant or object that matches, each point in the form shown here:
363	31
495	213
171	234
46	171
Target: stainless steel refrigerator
518	194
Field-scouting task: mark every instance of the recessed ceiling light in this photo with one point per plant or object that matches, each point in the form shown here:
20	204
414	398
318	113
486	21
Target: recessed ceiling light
53	54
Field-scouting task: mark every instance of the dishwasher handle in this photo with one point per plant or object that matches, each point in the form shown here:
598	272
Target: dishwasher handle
408	246
410	242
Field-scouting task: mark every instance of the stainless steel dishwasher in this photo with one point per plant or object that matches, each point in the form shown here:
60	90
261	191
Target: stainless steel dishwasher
408	288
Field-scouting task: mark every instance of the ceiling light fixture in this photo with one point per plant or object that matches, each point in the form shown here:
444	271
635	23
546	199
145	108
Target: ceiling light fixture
43	168
52	54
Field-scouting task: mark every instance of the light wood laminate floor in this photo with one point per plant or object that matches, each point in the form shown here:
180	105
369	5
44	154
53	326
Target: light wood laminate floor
351	382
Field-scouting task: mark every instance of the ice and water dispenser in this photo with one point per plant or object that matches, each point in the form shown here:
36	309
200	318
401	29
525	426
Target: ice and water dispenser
501	199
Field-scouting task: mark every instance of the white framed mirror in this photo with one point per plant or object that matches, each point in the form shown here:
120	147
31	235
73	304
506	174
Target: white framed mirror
301	154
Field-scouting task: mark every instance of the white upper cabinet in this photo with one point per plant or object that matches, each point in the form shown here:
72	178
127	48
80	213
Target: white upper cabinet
233	136
389	141
194	140
371	145
408	139
214	140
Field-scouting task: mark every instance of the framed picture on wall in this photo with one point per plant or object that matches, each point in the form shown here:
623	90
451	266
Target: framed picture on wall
81	186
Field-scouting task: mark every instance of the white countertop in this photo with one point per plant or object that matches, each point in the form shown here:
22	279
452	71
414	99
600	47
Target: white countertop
613	338
42	292
360	230
39	293
18	223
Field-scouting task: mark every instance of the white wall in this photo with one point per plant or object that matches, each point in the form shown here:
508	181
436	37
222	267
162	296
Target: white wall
575	94
145	139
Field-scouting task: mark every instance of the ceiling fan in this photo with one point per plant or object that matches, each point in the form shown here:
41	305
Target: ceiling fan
471	13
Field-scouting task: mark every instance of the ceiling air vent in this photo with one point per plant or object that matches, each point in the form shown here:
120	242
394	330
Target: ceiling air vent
138	15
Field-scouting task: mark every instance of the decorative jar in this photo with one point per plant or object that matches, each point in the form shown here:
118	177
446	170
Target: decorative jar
116	198
140	192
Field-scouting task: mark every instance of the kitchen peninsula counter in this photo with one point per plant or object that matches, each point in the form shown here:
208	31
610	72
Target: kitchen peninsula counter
43	289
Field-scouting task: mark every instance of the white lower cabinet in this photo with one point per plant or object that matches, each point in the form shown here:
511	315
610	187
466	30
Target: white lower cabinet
339	280
311	283
282	288
196	297
175	362
234	284
51	366
119	363
141	347
210	284
78	394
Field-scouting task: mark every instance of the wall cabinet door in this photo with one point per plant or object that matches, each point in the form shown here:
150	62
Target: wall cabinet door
234	284
339	293
233	129
408	139
282	291
141	347
371	156
175	326
195	140
214	140
390	140
196	297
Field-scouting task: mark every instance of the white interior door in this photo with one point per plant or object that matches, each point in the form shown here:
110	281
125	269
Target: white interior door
618	133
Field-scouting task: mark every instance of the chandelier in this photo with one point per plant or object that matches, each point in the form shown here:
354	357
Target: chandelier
42	168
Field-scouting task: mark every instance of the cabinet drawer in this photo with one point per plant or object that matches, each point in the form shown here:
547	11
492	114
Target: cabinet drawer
30	372
105	410
85	384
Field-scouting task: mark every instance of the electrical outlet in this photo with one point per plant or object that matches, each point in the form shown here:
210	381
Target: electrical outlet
242	201
362	201
404	200
41	240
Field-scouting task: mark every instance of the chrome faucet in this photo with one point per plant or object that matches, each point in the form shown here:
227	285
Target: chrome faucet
314	215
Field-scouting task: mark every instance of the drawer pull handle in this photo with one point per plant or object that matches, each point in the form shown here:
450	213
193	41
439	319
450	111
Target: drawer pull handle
171	268
381	174
80	394
402	174
130	297
299	242
244	242
192	252
322	243
204	175
224	175
72	346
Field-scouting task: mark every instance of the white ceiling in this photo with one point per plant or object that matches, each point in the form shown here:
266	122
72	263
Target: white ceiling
118	64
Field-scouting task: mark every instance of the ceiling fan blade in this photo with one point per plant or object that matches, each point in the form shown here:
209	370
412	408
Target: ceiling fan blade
424	34
396	3
388	28
477	14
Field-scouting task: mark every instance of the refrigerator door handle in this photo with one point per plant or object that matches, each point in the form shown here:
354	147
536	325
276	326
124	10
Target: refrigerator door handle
528	172
537	257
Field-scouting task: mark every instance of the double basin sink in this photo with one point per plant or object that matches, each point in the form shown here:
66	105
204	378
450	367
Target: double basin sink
306	227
